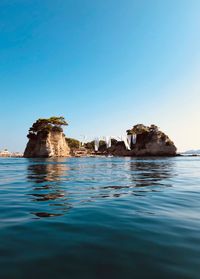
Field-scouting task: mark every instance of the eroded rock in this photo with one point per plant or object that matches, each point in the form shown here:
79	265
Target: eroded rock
150	141
46	139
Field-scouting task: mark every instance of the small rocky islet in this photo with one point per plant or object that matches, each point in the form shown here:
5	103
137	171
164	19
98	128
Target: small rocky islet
47	139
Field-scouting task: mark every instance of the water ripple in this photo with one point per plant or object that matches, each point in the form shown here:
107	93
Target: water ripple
90	217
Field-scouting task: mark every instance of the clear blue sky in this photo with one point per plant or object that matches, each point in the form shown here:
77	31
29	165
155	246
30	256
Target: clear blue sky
105	65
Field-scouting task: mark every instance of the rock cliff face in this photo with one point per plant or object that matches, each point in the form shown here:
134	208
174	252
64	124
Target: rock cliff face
51	144
154	143
149	142
46	138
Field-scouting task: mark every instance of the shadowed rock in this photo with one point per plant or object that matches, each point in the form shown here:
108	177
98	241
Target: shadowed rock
150	141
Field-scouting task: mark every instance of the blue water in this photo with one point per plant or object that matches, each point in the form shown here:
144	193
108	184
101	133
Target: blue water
100	218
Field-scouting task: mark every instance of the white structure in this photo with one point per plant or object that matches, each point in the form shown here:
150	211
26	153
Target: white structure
5	153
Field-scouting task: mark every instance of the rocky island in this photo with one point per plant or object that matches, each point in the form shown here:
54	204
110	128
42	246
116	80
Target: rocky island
46	139
149	141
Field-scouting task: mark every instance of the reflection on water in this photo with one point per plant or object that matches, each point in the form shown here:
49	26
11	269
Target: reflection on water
47	187
100	218
152	172
46	170
61	185
138	173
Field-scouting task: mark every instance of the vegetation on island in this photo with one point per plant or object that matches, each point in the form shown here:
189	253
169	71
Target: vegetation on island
140	129
91	145
102	144
152	130
46	125
73	143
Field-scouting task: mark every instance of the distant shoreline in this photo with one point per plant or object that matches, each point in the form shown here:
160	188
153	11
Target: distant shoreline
102	155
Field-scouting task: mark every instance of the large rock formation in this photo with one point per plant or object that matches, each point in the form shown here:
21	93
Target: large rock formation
52	144
149	142
46	139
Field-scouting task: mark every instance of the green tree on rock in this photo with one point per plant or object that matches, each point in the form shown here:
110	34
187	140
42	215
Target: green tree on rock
46	125
140	129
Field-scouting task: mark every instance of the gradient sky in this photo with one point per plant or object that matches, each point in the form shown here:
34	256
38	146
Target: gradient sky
105	65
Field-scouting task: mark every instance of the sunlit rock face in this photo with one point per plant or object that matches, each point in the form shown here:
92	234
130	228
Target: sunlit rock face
150	141
51	144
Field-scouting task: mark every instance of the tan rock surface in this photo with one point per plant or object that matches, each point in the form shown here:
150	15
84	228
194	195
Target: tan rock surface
52	144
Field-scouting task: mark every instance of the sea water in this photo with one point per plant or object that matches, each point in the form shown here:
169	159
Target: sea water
100	218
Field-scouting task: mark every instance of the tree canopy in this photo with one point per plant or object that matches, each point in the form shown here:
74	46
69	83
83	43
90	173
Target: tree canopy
73	143
140	129
53	123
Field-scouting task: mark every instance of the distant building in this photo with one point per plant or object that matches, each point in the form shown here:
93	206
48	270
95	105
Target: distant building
5	153
16	154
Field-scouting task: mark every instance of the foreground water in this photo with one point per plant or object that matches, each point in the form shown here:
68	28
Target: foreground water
100	218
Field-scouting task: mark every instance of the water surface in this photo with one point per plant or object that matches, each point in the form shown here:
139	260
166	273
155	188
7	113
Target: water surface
100	218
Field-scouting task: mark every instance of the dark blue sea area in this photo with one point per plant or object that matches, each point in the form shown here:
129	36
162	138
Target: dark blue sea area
100	218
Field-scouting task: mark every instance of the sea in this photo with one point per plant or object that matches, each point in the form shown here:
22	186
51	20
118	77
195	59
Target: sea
101	217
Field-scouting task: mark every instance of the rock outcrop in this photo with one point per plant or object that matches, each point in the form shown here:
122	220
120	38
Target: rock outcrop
46	139
52	144
150	141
